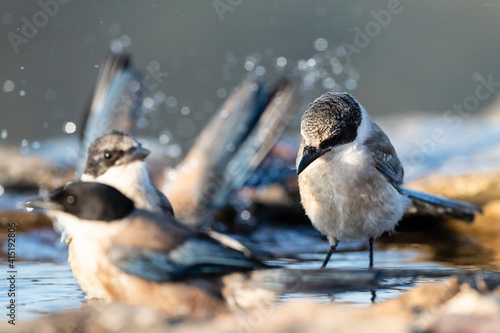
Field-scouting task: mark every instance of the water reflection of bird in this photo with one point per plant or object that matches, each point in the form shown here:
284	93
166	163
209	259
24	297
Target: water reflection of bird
228	150
122	253
350	176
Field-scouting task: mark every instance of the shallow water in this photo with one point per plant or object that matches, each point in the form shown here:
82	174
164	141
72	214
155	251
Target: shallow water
44	281
46	285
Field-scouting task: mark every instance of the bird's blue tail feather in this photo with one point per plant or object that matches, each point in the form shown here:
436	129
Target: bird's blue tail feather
439	206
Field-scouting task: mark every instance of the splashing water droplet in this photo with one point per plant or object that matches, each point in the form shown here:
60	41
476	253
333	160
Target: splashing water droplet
70	127
320	44
249	65
221	93
164	139
8	86
260	70
174	151
281	62
245	215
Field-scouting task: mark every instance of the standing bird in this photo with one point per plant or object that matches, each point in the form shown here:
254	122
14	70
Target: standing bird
125	254
350	176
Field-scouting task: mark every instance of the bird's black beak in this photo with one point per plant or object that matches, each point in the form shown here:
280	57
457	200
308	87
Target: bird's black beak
138	153
40	203
309	155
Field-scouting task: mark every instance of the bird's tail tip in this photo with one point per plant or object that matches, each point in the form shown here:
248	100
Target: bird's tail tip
439	206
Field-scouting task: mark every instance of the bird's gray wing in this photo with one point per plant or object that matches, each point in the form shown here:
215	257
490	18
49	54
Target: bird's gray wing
387	162
385	158
164	203
197	256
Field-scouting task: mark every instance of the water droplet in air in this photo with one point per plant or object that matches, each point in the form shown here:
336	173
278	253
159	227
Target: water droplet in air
281	61
221	93
249	65
320	44
8	86
70	127
260	70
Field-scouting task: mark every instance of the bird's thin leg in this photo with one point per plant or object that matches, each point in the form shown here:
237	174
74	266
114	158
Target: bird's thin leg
370	245
374	295
329	254
370	242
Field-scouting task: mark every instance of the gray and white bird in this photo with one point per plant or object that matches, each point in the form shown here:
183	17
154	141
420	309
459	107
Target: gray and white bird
117	159
121	253
350	176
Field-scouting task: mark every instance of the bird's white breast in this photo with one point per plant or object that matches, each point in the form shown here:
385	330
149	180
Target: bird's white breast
346	197
87	251
132	179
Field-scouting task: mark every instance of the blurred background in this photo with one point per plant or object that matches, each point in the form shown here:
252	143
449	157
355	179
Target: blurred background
419	60
394	56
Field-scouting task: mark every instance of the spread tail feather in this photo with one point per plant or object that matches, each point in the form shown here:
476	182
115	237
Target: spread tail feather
439	206
231	147
116	102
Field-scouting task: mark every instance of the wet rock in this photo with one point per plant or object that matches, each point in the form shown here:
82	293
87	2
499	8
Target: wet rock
24	220
436	307
31	172
466	324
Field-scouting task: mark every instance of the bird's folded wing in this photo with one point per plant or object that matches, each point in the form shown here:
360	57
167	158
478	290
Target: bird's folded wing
165	204
194	257
385	157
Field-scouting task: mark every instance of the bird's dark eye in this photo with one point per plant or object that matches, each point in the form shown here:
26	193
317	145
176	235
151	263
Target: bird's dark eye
107	154
70	199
